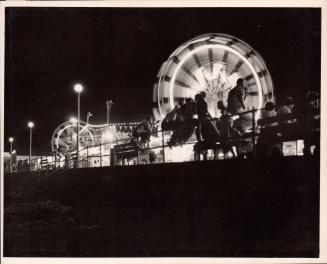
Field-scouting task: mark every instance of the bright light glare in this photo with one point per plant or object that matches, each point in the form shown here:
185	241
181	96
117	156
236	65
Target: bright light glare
78	88
108	136
30	124
73	119
11	139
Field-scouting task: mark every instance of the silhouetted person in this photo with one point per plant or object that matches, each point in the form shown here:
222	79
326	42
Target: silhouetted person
236	98
286	108
172	118
206	129
226	130
185	125
268	144
181	110
269	111
143	132
309	120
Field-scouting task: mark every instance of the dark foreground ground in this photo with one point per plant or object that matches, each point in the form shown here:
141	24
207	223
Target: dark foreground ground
234	208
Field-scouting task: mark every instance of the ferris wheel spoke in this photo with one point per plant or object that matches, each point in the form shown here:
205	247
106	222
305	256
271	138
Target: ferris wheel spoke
62	143
187	71
82	129
237	66
210	56
64	133
225	57
197	60
202	81
249	77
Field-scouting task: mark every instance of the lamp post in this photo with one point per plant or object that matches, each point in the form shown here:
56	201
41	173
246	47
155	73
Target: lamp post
89	114
109	104
78	89
30	125
11	140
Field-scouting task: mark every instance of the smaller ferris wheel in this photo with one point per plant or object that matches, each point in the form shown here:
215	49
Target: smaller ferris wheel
64	138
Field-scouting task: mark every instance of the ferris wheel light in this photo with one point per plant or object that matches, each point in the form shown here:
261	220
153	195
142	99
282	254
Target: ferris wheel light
11	139
30	124
78	88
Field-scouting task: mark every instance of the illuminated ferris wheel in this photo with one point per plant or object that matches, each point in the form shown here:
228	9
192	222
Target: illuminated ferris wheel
64	138
211	63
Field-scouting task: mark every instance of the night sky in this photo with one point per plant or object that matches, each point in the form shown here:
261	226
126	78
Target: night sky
116	54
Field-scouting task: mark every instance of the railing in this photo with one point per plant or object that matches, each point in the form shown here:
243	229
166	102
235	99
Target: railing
113	153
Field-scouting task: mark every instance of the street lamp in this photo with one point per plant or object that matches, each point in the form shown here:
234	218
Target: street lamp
109	104
30	125
11	140
78	89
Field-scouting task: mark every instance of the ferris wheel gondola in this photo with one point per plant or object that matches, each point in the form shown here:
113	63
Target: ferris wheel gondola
211	63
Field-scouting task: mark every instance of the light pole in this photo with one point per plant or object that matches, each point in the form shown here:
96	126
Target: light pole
89	114
30	125
11	140
109	104
78	89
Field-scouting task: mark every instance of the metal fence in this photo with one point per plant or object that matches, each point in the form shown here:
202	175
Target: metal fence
125	152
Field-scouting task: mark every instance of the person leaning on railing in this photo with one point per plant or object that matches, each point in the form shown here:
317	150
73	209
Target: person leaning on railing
308	115
185	122
236	104
269	111
236	98
286	108
142	132
226	131
207	131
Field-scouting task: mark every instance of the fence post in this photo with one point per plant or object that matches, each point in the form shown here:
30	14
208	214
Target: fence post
163	146
100	155
87	156
253	133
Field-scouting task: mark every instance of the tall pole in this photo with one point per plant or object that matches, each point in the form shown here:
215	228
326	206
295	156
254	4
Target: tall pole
253	133
78	89
30	125
10	156
89	114
30	156
78	120
108	104
11	141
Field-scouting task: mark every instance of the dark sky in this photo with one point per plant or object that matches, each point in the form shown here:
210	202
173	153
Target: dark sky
117	52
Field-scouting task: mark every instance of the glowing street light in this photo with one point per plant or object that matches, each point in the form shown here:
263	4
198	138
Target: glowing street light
78	89
11	140
30	125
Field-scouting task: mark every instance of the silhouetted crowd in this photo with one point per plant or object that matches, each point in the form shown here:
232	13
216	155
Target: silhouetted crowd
191	116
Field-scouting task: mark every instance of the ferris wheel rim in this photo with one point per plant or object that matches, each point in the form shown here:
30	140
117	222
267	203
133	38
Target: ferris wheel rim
172	82
65	125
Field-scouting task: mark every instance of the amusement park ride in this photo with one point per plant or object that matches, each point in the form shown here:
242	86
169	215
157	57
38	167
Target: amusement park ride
212	63
209	63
